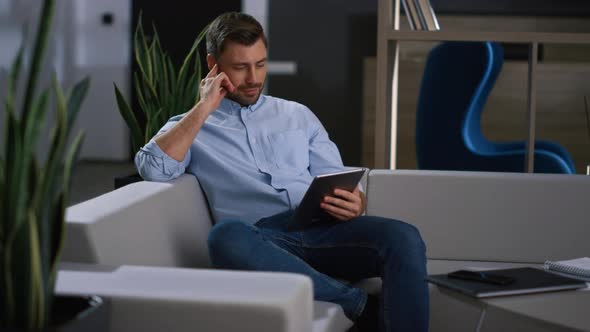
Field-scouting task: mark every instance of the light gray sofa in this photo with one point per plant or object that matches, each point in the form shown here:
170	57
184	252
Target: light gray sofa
150	239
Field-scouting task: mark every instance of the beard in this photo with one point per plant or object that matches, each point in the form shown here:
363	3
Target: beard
240	97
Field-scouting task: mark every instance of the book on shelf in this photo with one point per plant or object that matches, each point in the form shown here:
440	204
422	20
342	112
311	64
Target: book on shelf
429	15
420	15
412	14
578	268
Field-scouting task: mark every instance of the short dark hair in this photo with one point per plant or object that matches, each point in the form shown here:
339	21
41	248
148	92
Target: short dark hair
237	27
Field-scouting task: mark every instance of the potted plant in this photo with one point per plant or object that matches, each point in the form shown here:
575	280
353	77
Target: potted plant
162	91
33	196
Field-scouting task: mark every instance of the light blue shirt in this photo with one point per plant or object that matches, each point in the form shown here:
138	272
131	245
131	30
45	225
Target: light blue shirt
252	162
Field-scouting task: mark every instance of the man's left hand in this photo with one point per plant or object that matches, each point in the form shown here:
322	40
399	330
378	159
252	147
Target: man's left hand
344	205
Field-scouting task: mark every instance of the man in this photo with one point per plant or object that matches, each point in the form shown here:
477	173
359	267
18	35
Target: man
255	156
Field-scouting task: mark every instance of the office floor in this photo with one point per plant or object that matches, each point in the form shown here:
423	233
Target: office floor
94	178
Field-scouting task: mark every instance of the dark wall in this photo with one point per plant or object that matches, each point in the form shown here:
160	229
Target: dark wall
318	35
179	22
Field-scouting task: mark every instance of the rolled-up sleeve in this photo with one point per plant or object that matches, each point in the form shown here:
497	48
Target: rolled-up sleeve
153	164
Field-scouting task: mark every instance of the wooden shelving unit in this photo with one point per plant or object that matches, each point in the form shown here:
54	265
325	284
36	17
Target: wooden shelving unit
389	37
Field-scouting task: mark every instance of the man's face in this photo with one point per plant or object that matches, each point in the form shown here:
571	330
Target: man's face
246	68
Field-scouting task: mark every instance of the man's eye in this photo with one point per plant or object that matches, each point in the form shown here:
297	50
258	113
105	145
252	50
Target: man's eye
239	67
260	65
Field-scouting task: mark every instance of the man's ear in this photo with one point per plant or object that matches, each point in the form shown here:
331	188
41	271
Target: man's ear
210	61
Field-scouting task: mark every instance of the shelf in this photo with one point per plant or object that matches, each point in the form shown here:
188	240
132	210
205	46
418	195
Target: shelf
510	37
387	79
514	37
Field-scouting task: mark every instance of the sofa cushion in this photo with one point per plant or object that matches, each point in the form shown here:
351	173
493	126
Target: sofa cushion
484	216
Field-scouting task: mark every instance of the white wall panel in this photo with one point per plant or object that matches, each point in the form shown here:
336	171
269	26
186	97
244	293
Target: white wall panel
103	52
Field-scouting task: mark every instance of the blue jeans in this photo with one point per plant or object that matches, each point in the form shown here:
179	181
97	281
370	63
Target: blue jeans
360	248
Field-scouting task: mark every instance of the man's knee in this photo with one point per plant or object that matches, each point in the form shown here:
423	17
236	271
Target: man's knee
228	237
404	237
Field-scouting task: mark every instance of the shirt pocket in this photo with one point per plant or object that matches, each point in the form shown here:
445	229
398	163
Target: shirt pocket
290	150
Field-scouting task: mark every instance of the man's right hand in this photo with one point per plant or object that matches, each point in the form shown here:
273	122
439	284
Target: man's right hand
176	141
213	88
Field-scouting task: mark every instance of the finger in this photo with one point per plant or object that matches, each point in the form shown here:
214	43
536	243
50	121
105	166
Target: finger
337	210
347	196
355	207
212	72
346	205
222	92
224	82
228	85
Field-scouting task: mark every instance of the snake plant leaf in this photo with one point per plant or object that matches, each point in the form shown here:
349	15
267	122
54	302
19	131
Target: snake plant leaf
18	277
70	160
52	174
172	73
154	125
14	78
43	30
15	193
1	209
37	287
58	213
129	117
181	80
161	70
142	103
190	90
140	47
76	98
199	75
33	126
61	107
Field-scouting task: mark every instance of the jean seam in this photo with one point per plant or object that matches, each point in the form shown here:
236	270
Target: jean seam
278	238
361	305
355	245
327	278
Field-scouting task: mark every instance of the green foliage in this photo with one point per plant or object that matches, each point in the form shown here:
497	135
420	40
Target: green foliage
32	196
161	91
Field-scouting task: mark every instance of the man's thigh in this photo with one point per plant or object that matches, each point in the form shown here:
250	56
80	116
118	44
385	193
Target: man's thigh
353	249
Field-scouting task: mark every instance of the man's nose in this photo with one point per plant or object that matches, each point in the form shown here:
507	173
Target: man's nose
251	75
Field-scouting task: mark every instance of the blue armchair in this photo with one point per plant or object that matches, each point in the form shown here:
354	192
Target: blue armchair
457	80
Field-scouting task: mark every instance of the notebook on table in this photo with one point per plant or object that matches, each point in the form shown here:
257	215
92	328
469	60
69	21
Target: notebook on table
526	280
578	268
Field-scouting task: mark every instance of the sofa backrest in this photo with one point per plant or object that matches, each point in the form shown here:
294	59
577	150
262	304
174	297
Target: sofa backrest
144	223
488	216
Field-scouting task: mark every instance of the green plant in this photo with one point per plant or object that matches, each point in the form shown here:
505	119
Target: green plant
161	91
33	195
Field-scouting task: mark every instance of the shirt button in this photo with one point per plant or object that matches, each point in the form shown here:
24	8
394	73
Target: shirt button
254	140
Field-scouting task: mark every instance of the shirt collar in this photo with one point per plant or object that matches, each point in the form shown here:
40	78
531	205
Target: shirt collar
232	107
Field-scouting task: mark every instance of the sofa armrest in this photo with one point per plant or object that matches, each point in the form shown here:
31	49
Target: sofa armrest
177	299
144	223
